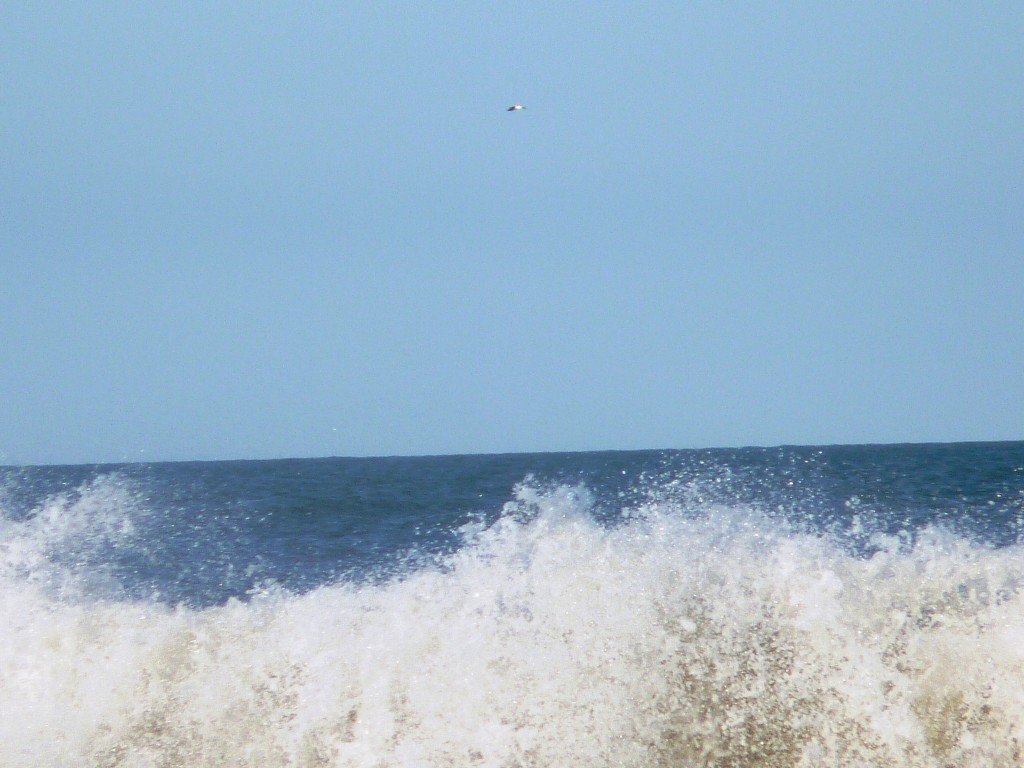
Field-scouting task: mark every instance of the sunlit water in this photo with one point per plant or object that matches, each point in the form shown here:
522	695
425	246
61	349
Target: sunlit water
784	607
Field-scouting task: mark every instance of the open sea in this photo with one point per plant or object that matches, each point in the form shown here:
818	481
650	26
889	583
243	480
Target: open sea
857	606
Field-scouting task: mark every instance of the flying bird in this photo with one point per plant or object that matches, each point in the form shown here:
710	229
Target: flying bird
515	108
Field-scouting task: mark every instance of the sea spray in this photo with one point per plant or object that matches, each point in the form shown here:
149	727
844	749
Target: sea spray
683	631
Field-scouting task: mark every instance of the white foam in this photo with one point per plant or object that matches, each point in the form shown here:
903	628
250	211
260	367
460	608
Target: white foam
674	640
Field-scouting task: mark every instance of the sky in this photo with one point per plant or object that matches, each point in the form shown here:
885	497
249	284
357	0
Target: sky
240	230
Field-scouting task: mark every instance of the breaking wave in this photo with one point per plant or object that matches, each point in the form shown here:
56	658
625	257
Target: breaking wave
670	637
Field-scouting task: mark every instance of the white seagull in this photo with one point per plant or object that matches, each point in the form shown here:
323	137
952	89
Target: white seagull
515	108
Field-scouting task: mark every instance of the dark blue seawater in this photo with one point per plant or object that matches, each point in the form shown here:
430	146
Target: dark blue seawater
793	606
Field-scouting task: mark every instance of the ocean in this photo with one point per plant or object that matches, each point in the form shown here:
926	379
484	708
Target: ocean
794	606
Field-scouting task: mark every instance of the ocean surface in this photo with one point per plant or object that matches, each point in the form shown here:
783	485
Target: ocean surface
836	606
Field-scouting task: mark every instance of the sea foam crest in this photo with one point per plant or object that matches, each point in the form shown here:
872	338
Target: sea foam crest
720	639
64	544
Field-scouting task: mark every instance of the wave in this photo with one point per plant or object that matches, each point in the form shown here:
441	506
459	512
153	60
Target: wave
723	638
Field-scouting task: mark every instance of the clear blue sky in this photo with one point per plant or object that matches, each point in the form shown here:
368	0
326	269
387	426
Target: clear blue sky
233	230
